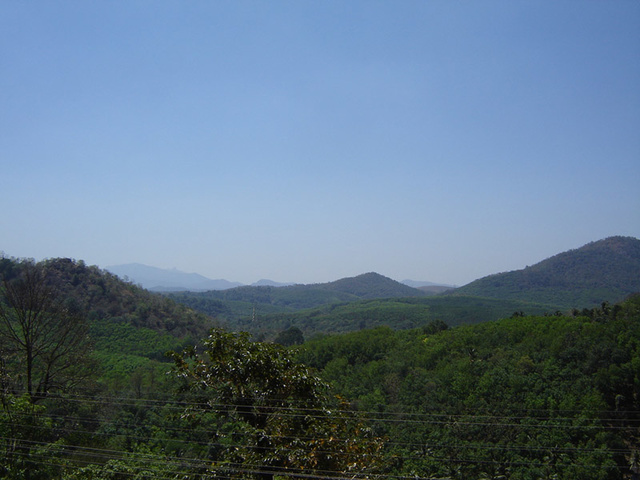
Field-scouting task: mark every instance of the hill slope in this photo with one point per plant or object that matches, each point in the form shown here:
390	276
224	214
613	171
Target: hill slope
129	326
606	270
240	302
395	313
371	285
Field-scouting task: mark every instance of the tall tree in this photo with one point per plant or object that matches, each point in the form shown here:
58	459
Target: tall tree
274	416
44	343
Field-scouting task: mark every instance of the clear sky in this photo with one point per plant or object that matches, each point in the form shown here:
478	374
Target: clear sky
308	141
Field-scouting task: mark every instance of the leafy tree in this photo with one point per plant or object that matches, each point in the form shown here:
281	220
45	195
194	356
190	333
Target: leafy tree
435	326
274	415
44	341
290	336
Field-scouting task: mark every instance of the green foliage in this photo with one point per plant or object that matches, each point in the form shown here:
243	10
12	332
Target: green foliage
131	331
143	464
130	357
274	415
371	285
290	336
235	303
434	390
101	295
525	397
26	435
130	328
223	309
599	271
397	313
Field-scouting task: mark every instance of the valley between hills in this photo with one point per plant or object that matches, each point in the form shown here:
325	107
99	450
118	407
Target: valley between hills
524	374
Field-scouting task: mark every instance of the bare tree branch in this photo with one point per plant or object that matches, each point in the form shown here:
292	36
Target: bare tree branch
47	341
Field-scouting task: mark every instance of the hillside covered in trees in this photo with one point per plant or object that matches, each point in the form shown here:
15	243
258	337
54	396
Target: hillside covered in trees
345	305
606	270
239	302
395	313
524	397
130	329
87	390
101	295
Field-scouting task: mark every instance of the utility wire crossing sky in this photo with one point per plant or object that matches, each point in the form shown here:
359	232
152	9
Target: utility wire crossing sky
310	141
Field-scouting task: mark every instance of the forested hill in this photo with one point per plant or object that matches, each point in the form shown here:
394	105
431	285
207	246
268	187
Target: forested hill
395	313
606	270
240	301
102	296
371	285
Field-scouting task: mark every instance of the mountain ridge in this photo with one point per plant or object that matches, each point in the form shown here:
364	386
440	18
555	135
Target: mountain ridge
603	270
371	285
163	280
424	283
265	282
173	280
101	295
245	300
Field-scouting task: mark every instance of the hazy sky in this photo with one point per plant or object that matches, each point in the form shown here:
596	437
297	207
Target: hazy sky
308	141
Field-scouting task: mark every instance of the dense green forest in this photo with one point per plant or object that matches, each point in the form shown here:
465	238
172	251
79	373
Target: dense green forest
88	390
523	397
236	303
396	313
350	304
606	270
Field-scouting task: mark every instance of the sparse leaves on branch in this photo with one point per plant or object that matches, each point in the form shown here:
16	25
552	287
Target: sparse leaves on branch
44	343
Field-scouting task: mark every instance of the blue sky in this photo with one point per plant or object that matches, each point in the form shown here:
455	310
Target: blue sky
308	141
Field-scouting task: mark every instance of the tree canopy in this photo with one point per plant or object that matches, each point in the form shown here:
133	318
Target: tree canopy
284	421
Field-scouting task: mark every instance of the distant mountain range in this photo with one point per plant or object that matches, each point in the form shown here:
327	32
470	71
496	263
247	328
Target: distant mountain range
605	270
422	284
270	283
168	280
173	280
296	297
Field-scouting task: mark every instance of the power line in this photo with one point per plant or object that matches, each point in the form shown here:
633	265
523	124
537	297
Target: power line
131	434
397	418
110	454
401	416
460	420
